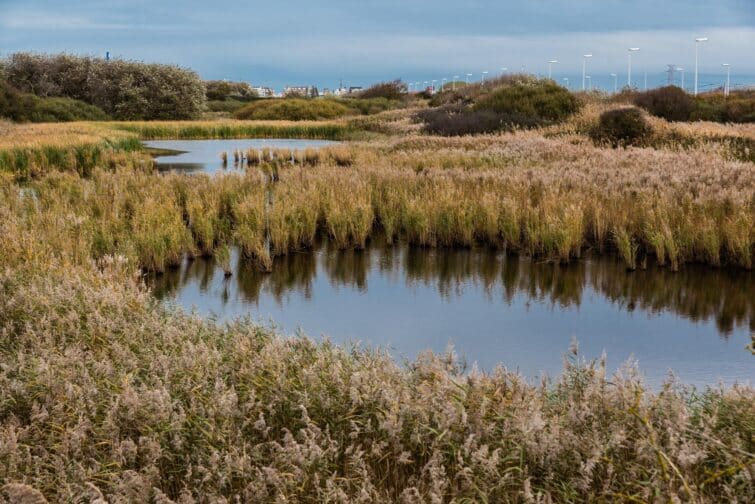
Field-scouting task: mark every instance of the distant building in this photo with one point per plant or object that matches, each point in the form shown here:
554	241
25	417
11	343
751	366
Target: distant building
301	91
264	91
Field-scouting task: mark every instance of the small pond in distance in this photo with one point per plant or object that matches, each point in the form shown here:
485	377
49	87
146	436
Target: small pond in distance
491	307
204	155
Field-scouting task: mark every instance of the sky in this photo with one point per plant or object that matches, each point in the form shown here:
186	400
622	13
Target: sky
307	42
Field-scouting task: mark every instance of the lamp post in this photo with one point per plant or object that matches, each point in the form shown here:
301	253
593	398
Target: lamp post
504	70
727	89
589	81
615	82
566	79
698	41
433	88
456	79
550	67
443	84
466	81
680	69
584	68
629	70
484	73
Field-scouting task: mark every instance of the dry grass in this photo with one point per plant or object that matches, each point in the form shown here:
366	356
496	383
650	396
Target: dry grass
105	394
549	198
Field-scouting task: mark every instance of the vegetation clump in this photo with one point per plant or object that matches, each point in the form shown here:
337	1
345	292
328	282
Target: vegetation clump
26	107
506	103
671	103
219	90
539	102
293	109
393	90
123	89
622	127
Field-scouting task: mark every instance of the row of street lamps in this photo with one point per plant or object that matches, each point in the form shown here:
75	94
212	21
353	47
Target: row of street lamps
586	78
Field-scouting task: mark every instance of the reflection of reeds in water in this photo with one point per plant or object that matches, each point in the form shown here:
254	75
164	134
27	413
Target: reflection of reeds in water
695	293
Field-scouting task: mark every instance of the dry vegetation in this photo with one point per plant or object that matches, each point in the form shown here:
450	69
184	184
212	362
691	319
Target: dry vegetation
104	394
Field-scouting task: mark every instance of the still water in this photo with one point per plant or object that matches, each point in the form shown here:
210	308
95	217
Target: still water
204	155
491	308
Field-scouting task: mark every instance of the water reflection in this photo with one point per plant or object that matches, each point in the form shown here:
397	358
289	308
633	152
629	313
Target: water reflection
413	298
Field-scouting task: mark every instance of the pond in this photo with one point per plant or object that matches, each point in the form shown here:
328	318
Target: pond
491	307
204	155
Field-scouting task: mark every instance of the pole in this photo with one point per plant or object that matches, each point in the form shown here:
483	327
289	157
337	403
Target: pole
697	45
696	51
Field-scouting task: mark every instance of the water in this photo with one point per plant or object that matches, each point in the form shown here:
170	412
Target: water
492	308
204	155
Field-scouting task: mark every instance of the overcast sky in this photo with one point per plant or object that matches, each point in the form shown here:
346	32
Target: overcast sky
318	42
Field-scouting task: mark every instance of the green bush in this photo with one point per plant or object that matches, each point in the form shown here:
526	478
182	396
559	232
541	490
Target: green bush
392	90
25	107
369	106
230	106
293	109
541	101
670	102
224	90
123	89
738	107
621	127
506	103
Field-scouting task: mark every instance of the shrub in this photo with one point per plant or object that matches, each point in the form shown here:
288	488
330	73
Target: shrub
293	109
621	127
541	101
224	90
392	90
738	107
123	89
369	106
459	121
66	109
670	102
25	107
230	106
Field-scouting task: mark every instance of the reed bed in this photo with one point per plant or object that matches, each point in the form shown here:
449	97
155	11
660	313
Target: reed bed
105	394
546	198
228	129
31	150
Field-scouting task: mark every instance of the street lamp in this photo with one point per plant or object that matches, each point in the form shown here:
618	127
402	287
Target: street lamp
433	88
589	80
504	70
484	73
584	68
443	84
680	69
615	82
697	45
727	89
466	81
456	79
550	66
629	71
566	79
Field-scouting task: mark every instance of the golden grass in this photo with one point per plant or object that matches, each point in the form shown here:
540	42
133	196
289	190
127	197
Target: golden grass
104	394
